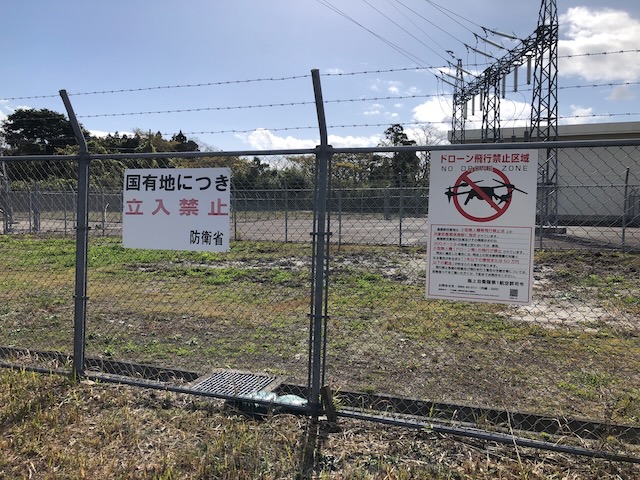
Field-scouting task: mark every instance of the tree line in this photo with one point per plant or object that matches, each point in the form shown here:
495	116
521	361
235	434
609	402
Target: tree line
46	132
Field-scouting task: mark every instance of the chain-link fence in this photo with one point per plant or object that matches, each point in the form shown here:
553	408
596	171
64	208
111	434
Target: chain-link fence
245	322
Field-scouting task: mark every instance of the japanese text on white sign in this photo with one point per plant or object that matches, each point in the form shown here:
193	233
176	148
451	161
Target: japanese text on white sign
177	209
482	207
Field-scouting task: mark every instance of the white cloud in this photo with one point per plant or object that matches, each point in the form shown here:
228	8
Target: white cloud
334	71
375	109
579	115
7	109
589	31
621	93
394	87
263	139
102	134
436	110
98	133
426	134
514	113
354	142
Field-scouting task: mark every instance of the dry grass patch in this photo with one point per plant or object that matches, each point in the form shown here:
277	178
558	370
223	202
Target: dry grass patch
53	428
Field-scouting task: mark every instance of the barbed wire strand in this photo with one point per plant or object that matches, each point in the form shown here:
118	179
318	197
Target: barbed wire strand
302	103
386	124
275	79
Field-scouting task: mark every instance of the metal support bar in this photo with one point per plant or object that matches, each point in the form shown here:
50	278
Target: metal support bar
625	208
490	436
320	246
82	243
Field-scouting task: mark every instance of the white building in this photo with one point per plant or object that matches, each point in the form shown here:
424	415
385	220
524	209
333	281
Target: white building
594	185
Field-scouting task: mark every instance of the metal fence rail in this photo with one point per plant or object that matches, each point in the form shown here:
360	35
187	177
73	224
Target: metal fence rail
395	216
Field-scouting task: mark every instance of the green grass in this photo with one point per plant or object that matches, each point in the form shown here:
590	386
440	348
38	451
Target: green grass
248	309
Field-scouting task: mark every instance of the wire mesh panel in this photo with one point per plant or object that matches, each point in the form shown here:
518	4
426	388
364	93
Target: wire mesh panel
567	363
573	352
242	309
37	273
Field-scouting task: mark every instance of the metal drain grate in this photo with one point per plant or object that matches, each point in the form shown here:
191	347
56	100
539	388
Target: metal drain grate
233	383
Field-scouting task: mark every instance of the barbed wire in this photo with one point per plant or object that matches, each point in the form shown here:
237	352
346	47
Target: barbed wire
369	125
362	125
278	79
386	124
244	107
193	85
198	109
596	85
343	100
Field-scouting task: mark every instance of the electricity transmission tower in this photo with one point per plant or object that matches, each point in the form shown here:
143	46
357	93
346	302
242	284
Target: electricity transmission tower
544	108
541	47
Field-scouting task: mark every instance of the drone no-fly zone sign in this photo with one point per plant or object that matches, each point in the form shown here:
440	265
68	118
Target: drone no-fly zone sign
482	206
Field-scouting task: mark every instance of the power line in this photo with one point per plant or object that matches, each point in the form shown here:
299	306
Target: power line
434	25
443	10
403	29
408	17
397	48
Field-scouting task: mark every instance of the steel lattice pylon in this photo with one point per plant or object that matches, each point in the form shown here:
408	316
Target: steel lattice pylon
459	116
541	45
544	108
491	109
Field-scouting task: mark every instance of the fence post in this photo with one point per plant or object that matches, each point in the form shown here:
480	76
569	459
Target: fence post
625	209
103	208
339	217
82	243
401	209
320	261
234	211
286	212
64	209
5	194
34	204
386	204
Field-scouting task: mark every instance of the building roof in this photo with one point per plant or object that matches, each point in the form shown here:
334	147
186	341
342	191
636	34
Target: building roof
586	131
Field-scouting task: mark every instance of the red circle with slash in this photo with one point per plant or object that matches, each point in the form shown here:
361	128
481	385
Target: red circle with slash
464	178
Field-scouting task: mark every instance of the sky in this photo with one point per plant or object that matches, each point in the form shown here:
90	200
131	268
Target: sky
236	75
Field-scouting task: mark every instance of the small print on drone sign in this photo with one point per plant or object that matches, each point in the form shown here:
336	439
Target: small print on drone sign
482	207
177	209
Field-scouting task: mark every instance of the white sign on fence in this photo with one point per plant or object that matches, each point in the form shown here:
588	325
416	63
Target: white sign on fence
482	207
177	209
